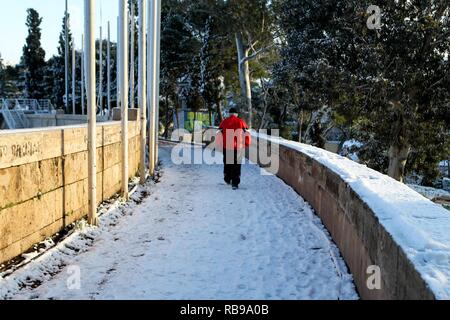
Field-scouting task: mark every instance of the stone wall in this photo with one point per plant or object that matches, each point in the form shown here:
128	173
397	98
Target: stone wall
361	238
57	120
44	183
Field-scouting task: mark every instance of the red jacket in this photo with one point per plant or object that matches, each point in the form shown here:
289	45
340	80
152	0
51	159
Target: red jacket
233	134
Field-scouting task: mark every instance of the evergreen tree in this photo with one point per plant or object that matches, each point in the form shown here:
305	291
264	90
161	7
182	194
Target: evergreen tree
251	25
57	67
178	50
207	17
403	72
305	28
10	82
391	84
198	44
33	57
2	77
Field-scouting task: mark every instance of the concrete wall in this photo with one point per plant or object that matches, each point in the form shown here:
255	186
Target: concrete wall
43	179
57	120
332	146
362	239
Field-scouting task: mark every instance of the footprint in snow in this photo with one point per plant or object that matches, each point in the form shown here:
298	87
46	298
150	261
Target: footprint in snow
110	271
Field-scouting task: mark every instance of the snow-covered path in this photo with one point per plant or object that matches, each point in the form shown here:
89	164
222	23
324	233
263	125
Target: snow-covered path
195	238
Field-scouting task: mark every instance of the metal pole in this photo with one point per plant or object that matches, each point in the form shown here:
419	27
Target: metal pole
100	67
66	60
123	13
73	80
108	49
132	85
89	22
151	40
142	84
82	76
118	64
158	58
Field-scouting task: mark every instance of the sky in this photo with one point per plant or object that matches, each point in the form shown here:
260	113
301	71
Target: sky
13	31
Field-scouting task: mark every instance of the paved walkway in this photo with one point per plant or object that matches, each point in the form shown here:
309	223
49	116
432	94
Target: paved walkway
195	238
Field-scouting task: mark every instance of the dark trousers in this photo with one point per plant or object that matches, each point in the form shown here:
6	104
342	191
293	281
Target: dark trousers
232	160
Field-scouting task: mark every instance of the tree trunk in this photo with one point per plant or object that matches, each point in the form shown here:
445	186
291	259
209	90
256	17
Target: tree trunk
263	86
166	131
219	111
300	126
263	119
177	115
400	147
244	76
398	155
168	121
193	127
448	166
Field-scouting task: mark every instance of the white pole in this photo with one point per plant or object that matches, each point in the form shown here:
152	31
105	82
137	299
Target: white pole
108	49
82	75
158	58
100	67
118	63
66	60
142	84
73	80
89	22
123	13
154	41
132	85
151	40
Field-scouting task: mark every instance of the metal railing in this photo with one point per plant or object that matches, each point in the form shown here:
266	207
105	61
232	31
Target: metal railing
13	113
38	106
33	105
5	111
46	105
20	118
13	110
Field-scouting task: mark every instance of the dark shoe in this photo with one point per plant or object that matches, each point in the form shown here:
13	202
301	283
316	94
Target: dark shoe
227	181
235	187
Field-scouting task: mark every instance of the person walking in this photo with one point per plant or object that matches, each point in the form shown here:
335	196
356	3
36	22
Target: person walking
232	139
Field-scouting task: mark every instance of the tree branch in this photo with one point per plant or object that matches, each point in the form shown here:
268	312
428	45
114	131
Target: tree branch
256	54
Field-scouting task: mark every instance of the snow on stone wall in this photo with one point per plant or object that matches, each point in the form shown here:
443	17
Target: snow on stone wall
387	223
